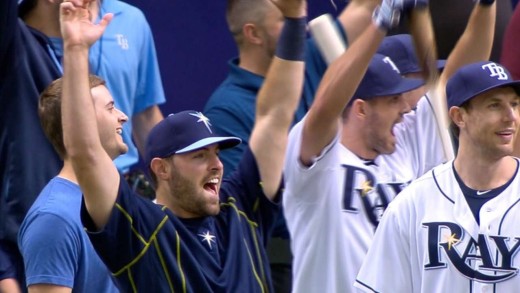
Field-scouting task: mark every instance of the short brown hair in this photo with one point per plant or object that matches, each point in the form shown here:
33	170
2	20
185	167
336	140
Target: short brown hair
453	128
241	12
49	111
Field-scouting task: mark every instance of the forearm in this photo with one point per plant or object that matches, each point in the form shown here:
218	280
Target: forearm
335	91
94	169
80	132
476	42
277	101
356	17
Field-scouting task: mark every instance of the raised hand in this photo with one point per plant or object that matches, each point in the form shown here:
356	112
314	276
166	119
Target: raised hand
291	8
388	14
77	29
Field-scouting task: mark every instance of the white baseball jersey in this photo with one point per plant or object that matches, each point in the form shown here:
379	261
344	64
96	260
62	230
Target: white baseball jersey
429	241
333	207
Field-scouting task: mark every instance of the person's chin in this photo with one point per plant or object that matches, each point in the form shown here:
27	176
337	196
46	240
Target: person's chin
123	150
213	210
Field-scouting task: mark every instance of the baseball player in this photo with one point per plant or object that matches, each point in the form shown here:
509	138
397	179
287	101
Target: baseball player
206	235
456	228
349	158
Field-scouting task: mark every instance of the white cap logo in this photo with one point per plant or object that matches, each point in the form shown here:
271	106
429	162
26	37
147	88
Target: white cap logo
387	60
495	71
202	119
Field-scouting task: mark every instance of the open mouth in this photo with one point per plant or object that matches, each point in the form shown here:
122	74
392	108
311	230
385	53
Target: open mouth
212	185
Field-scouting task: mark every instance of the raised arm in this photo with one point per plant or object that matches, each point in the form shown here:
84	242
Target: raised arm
95	171
334	92
342	78
476	42
356	17
279	96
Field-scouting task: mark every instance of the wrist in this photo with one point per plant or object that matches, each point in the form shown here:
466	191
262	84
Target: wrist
72	47
291	44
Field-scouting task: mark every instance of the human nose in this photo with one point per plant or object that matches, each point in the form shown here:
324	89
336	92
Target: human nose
511	114
122	117
216	163
405	105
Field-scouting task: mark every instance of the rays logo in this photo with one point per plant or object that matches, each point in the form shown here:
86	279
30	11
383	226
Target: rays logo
487	260
362	186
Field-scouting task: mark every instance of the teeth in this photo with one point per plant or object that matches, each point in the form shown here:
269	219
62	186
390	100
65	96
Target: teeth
119	131
214	181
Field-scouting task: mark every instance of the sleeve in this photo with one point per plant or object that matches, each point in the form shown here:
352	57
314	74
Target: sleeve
51	249
387	266
150	90
297	176
245	184
132	226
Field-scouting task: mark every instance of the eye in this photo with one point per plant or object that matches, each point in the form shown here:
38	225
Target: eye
199	155
494	105
515	104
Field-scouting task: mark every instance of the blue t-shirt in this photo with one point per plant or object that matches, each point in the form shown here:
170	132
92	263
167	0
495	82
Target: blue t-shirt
149	249
55	247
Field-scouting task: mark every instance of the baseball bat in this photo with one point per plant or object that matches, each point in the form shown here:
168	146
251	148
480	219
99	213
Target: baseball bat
327	37
421	29
331	46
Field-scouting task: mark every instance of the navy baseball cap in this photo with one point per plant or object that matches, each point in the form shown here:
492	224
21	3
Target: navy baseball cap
476	78
384	79
401	49
184	132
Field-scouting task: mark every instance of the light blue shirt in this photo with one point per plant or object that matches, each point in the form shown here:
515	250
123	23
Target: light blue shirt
125	57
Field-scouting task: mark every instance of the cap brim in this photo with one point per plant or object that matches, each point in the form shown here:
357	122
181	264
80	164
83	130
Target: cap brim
406	85
223	142
414	68
515	84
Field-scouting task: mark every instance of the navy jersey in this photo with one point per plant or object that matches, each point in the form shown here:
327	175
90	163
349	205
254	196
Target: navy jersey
27	159
149	249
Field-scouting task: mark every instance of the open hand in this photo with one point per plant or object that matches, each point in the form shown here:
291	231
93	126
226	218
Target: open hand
77	29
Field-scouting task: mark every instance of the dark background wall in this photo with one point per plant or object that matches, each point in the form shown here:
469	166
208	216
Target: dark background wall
194	45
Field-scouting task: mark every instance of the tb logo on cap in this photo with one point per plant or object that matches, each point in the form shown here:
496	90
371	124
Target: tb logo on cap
496	71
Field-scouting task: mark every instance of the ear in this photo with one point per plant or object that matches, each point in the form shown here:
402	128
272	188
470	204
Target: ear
251	34
359	108
160	168
457	116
